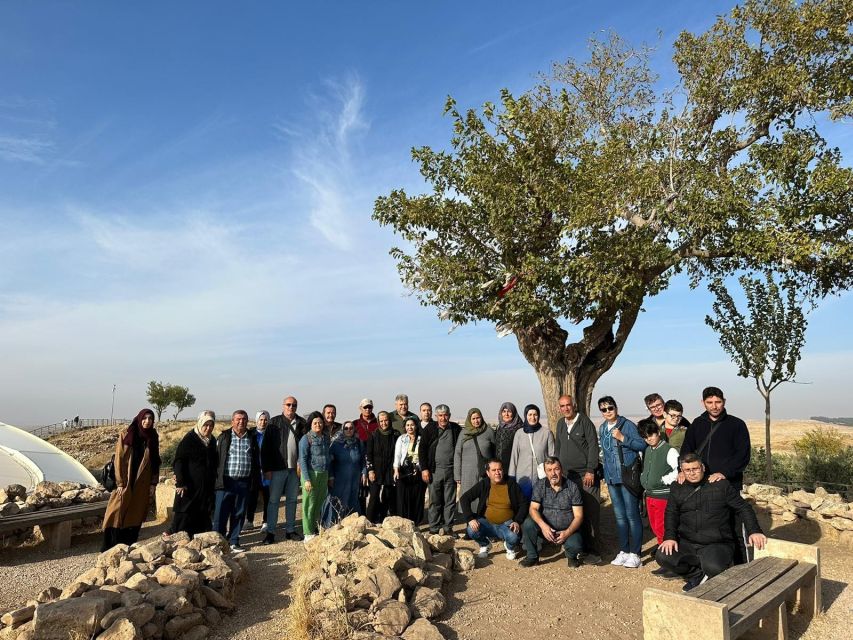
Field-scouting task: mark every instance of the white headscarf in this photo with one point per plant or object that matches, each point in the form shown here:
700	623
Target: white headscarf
204	416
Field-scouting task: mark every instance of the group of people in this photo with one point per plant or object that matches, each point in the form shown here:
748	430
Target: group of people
517	483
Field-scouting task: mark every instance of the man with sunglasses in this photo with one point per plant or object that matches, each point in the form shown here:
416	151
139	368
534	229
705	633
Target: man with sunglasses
698	543
279	455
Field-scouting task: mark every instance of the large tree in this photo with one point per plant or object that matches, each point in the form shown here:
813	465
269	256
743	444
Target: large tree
765	342
556	213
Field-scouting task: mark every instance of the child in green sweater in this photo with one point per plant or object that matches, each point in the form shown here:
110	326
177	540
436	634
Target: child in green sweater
660	469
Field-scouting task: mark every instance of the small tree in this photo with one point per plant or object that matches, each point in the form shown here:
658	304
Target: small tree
159	396
766	345
180	397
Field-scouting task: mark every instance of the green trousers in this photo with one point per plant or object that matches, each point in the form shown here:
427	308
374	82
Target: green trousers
312	501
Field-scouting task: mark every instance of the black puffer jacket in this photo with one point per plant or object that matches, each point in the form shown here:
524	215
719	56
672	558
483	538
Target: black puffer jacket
701	513
380	455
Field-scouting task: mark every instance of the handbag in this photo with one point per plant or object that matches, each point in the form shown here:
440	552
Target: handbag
481	459
631	474
108	475
540	466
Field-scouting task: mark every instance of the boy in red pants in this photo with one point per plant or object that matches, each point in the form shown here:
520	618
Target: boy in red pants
660	469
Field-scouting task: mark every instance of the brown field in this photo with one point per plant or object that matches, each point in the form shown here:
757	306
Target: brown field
783	433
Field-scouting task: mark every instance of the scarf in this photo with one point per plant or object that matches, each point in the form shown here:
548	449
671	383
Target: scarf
531	428
149	436
203	417
470	431
515	423
262	413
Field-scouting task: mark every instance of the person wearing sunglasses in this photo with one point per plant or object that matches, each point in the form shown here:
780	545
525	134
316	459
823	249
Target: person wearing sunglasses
347	470
279	460
615	433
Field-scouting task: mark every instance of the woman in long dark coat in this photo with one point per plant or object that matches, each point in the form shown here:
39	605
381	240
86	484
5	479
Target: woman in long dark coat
345	472
137	468
195	477
380	470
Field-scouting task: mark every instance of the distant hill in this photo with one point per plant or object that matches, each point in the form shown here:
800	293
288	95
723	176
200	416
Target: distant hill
846	422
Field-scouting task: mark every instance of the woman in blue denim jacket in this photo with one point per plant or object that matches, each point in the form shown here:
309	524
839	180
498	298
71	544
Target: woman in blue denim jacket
617	431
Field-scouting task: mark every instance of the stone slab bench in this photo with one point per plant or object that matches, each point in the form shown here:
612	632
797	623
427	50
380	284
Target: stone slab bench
748	600
55	524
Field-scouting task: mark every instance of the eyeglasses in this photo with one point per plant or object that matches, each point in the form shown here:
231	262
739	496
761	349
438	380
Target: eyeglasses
348	428
654	405
368	406
695	470
607	409
289	404
675	416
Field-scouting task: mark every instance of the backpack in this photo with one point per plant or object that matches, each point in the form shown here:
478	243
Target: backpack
108	475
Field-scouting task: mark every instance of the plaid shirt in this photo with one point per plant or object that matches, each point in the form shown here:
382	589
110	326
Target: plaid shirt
238	464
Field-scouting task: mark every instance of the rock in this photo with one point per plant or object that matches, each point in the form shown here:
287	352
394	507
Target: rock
176	627
387	582
763	491
802	496
820	491
214	556
138	615
421	547
212	617
162	596
816	503
71	495
48	595
196	633
427	603
390	617
216	599
122	572
422	629
172	575
411	578
154	550
122	629
141	583
398	524
73	590
112	557
16	492
842	524
180	538
48	489
787	516
184	556
212	539
395	538
18	617
94	576
89	495
110	597
131	598
355	522
378	555
219	572
9	508
443	560
64	619
441	544
198	599
180	607
5	498
151	630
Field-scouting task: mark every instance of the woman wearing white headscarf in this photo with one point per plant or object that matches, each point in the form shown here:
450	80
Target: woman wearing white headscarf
262	418
195	468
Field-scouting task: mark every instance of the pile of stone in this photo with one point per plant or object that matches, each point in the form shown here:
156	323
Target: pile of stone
171	587
364	582
829	511
48	495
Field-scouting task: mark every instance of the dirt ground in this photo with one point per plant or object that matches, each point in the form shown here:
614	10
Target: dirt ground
499	600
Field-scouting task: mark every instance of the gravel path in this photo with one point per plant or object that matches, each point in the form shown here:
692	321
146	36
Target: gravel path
498	601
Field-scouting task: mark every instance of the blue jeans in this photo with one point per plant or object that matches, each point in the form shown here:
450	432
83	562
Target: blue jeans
283	482
531	536
629	526
230	511
489	530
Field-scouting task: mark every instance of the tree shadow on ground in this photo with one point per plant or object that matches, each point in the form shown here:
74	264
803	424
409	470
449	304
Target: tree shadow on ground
458	584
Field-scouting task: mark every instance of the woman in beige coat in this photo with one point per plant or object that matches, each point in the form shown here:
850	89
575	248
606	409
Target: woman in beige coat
137	469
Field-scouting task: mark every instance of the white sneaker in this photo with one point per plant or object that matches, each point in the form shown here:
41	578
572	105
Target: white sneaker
632	561
510	552
237	549
619	560
264	528
483	552
309	537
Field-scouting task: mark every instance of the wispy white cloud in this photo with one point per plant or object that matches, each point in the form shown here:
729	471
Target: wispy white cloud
322	152
25	149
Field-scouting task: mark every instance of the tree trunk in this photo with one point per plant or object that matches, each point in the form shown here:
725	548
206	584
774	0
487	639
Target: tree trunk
574	369
769	459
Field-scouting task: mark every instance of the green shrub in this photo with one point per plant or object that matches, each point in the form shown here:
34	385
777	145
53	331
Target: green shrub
167	455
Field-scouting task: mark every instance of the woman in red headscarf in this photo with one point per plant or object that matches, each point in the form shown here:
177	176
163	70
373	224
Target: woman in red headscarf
137	468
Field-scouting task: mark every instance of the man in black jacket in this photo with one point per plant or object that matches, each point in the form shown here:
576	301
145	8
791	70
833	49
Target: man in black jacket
237	474
699	542
576	445
279	456
501	509
435	455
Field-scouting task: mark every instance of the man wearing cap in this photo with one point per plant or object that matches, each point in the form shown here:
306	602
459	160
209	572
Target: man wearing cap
435	455
279	456
366	423
401	413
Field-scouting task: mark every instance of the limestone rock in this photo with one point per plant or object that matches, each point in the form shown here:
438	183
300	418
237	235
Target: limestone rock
110	597
172	575
49	594
48	489
463	560
112	557
387	581
427	603
395	538
212	539
137	615
411	578
441	544
176	627
122	629
184	556
9	508
216	599
16	492
64	618
94	576
421	547
443	560
390	617
18	616
355	522
121	573
73	590
399	524
422	629
141	583
180	607
154	550
763	492
151	630
212	617
131	598
196	633
162	596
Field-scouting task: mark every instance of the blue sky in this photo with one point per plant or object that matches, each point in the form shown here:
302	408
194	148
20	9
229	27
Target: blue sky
186	191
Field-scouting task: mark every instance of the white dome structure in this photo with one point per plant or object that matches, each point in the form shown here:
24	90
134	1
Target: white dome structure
26	459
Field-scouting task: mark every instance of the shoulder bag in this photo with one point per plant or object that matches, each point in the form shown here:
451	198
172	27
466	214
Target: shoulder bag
631	474
540	466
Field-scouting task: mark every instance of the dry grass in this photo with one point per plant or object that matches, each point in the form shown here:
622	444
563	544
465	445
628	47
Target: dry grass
783	433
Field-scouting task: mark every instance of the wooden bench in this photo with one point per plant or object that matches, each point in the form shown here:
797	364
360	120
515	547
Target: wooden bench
55	524
749	600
